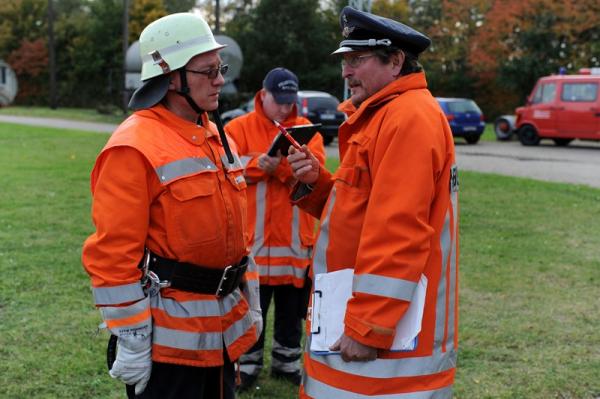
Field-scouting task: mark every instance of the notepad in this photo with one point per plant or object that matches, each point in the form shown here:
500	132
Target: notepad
331	294
301	133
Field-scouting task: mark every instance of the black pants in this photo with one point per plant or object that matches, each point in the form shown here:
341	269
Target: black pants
171	381
287	332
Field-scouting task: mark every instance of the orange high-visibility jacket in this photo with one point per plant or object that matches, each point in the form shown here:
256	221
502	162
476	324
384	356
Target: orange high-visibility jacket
390	212
282	235
164	183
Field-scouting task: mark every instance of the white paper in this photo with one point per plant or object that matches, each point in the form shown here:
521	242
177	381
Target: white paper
331	294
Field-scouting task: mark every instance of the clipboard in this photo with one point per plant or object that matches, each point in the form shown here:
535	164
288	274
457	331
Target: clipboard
331	293
302	133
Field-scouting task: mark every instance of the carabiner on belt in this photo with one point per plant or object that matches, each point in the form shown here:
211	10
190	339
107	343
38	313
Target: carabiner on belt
150	281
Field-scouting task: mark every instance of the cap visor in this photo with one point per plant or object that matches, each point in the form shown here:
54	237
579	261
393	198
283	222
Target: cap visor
342	50
285	98
150	93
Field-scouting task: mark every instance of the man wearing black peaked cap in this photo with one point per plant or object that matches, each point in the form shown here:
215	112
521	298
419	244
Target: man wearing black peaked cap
390	214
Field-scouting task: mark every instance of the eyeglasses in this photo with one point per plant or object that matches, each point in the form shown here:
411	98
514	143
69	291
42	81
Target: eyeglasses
213	72
356	60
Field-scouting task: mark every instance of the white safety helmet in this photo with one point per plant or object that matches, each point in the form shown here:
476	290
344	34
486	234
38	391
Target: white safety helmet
167	44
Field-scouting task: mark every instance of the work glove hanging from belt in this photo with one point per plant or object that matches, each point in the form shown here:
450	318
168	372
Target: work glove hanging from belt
251	291
133	363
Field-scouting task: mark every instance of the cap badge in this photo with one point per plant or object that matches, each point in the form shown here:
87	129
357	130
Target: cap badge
287	85
347	31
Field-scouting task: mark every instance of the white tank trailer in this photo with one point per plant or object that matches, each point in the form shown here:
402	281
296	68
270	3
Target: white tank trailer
8	84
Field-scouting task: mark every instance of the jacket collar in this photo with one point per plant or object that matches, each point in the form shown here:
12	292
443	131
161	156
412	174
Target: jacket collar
392	90
191	132
389	92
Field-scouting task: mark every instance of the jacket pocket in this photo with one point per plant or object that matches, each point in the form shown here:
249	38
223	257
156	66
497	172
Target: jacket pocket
356	178
192	210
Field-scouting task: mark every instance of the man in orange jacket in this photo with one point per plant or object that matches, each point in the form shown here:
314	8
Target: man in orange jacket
170	247
281	234
390	213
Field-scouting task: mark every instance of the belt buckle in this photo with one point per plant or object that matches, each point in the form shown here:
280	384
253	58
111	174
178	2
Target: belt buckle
223	278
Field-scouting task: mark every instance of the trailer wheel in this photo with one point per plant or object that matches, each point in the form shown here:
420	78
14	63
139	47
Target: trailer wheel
528	135
503	129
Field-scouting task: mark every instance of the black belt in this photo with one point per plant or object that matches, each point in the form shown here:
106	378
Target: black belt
195	278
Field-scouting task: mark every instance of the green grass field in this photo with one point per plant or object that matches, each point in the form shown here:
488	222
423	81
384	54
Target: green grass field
529	278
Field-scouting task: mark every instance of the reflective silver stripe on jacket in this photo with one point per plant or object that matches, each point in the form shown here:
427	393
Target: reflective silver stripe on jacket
184	167
320	257
237	329
236	165
281	270
453	271
389	368
186	340
319	390
245	160
295	250
201	308
208	308
122	312
118	294
384	286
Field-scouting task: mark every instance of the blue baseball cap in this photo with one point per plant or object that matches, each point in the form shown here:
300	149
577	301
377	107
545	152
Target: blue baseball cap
283	84
364	31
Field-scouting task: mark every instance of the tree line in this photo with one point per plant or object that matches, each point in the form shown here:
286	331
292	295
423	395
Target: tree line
491	51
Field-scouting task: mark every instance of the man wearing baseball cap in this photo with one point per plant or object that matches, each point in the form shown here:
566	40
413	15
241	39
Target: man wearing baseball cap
390	213
281	235
169	252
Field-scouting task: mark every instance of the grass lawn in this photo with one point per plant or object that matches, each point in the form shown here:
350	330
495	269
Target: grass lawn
530	272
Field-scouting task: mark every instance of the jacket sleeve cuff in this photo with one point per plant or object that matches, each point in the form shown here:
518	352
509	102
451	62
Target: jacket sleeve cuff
131	320
368	334
313	197
283	173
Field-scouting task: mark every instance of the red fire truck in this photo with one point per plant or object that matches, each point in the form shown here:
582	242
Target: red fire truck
560	107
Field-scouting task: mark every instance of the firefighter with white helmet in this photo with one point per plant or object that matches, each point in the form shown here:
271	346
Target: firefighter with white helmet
170	249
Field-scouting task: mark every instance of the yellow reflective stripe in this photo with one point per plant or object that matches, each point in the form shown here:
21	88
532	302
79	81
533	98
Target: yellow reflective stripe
320	257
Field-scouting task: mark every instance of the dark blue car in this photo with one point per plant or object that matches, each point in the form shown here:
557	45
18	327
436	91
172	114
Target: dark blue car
464	117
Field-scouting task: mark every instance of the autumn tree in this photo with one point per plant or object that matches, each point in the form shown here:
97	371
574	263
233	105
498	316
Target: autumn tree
30	63
141	13
21	20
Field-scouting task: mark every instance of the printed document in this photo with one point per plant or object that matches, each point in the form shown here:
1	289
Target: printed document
331	294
